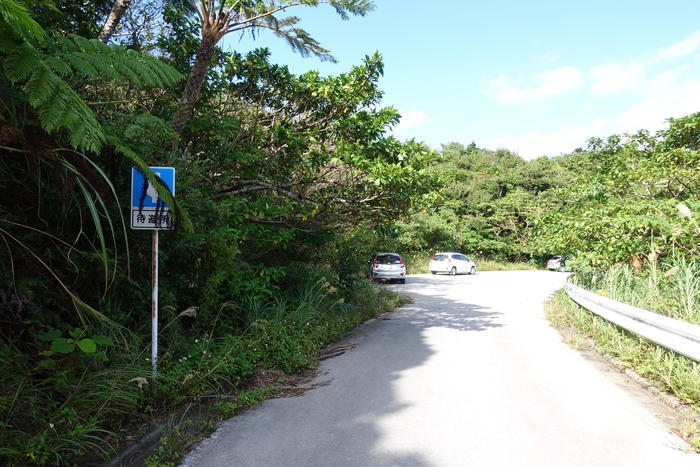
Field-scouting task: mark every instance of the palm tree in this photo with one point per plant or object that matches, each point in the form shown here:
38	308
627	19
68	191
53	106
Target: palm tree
115	15
221	17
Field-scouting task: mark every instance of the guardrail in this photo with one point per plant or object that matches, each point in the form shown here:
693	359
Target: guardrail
675	334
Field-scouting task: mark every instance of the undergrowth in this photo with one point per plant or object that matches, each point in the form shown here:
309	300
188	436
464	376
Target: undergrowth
57	406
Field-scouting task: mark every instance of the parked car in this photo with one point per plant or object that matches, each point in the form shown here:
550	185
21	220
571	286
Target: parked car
557	263
451	263
388	267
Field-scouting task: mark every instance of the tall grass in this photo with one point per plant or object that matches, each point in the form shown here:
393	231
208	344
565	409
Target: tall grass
671	288
56	407
51	413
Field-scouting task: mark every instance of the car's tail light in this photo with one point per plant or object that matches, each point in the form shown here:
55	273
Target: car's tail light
375	262
432	258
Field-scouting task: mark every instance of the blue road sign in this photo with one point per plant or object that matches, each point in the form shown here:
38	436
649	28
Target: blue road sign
148	210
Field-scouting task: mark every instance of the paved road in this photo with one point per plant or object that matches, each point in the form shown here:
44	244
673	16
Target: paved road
470	374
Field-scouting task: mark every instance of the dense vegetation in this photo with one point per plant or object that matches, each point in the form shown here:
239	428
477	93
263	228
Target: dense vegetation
285	184
275	173
489	202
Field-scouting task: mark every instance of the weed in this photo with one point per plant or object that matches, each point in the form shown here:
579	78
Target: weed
242	400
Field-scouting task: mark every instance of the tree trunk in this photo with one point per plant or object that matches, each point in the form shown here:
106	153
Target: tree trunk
195	80
113	19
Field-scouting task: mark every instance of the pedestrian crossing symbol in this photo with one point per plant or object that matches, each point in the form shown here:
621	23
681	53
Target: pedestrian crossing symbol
148	210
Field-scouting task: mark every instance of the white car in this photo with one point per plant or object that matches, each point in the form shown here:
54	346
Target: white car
557	263
451	263
388	267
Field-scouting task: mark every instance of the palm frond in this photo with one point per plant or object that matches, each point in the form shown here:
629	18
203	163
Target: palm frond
345	8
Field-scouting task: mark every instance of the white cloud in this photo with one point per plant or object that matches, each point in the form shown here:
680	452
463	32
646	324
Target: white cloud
544	85
605	78
534	144
411	118
613	77
676	101
666	79
659	85
683	48
651	114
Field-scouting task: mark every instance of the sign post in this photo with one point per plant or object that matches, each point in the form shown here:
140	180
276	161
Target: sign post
154	301
150	212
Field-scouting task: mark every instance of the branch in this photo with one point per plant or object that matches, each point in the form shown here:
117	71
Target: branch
261	186
258	220
108	102
26	151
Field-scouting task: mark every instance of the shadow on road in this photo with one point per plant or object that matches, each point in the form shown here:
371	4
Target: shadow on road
349	420
361	403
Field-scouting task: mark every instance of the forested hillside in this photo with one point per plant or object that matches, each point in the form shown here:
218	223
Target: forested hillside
285	184
622	200
489	201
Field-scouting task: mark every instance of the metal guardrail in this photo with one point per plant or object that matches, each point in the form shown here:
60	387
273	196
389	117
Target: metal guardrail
680	336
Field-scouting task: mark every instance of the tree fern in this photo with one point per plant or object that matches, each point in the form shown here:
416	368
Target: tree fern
41	72
17	20
57	105
112	61
57	65
80	65
19	64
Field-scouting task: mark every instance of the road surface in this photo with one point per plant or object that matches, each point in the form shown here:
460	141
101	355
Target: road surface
469	374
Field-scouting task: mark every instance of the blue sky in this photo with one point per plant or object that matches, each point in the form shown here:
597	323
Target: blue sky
536	77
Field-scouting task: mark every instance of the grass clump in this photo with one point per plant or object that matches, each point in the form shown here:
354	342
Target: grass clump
674	373
495	265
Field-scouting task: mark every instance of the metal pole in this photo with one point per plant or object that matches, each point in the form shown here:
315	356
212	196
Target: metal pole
154	302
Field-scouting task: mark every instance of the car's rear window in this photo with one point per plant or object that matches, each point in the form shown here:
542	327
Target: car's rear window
388	259
441	258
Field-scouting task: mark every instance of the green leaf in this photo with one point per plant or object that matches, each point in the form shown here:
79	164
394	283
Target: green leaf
102	340
47	364
77	333
16	16
61	345
100	356
87	345
50	335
